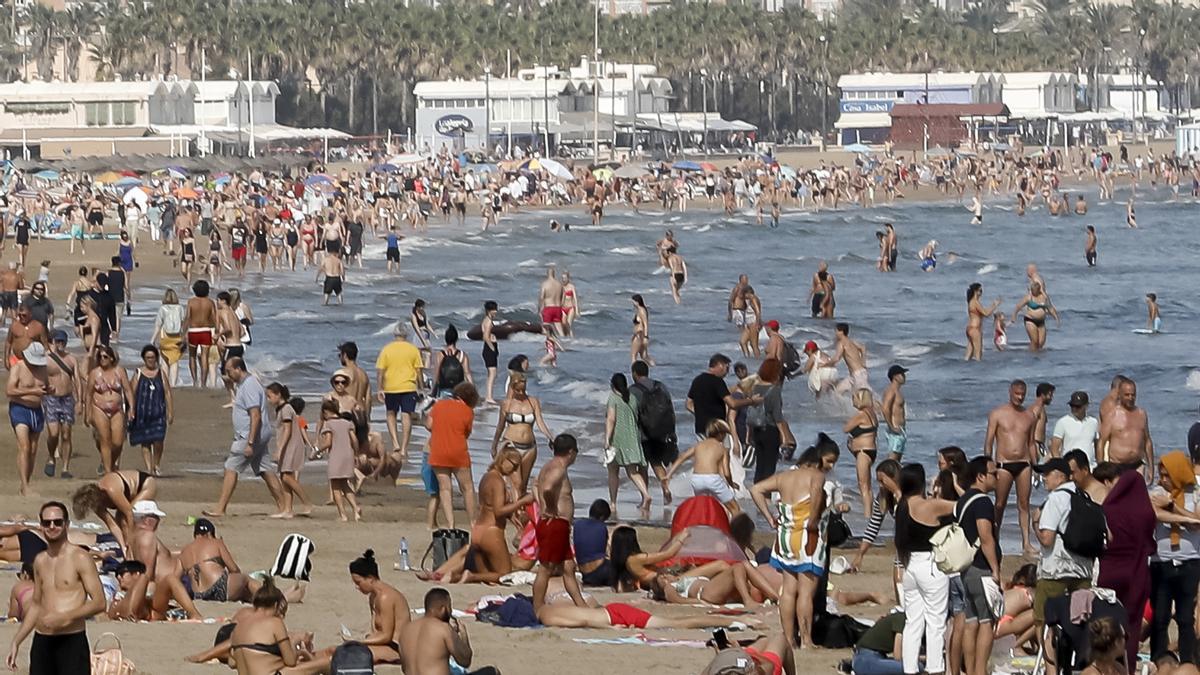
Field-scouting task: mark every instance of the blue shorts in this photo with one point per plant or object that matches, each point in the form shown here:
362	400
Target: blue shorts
896	441
33	418
403	402
958	596
429	477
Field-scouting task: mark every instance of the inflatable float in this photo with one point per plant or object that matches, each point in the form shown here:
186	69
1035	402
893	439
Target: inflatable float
503	330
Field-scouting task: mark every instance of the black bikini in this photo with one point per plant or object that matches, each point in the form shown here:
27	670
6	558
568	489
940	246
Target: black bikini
862	431
142	476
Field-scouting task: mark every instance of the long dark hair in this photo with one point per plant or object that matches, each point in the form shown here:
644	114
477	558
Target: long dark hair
620	385
637	297
972	290
891	469
912	481
624	543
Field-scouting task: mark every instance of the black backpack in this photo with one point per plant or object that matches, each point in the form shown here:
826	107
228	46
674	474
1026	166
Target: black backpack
450	372
352	658
656	412
792	365
1086	532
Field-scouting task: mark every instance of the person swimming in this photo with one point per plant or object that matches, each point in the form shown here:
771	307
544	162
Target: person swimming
928	256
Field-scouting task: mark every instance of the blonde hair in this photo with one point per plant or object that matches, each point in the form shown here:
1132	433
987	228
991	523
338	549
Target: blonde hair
170	297
862	398
717	429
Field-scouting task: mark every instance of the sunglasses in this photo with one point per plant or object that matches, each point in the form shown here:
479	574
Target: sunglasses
53	522
337	382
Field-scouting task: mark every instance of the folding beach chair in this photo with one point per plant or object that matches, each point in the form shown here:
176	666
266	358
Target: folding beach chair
1070	640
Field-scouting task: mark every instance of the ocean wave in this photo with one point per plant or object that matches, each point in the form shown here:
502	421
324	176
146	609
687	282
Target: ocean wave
987	269
627	250
1193	380
585	390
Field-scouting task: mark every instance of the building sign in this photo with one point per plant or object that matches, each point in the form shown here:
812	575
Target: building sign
867	106
453	125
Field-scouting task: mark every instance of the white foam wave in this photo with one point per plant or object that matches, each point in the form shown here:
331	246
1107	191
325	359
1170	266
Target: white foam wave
531	262
704	228
588	391
911	351
1193	380
988	269
626	250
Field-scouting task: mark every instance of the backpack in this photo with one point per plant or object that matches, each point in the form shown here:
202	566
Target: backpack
792	365
1086	532
952	553
756	415
352	658
450	372
656	412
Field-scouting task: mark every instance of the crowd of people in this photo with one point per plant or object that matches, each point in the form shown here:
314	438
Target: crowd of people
1116	515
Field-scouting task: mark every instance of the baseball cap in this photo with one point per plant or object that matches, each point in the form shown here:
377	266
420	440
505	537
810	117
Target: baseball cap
59	335
773	324
1054	464
896	370
1079	399
810	346
147	507
203	526
35	354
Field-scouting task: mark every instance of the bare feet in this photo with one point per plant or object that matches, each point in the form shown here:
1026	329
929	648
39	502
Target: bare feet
305	511
429	576
284	515
645	505
666	495
213	513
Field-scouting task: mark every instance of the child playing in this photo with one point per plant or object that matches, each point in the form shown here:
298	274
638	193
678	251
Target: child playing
1153	320
339	441
1001	337
291	448
552	348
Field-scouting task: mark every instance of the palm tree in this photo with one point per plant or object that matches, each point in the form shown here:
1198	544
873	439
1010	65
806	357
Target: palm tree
42	27
78	25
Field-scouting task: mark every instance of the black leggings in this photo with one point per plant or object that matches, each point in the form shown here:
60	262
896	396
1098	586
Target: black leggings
67	654
766	442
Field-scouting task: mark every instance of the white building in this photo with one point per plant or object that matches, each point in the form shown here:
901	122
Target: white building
867	98
1038	95
1142	97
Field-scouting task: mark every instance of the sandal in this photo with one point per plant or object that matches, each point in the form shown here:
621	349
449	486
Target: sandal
49	469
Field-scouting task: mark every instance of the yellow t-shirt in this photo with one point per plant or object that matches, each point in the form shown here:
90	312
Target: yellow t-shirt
400	363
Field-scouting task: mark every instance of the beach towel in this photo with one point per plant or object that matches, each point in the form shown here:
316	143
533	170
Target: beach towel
292	561
642	639
515	612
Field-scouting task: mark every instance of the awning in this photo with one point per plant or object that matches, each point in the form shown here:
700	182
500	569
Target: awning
880	120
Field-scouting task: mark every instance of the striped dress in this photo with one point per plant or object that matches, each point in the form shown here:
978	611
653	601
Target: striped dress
792	539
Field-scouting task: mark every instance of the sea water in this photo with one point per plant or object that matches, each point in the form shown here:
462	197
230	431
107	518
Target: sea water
912	318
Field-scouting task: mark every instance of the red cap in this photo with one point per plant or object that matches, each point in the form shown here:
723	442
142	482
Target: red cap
773	324
810	346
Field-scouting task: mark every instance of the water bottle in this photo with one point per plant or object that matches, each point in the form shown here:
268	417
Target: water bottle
403	565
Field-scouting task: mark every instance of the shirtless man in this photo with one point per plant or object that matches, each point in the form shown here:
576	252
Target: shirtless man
335	275
550	302
1109	402
667	242
556	504
894	413
737	303
66	593
821	293
679	272
855	356
27	385
61	403
1009	441
1044	394
24	331
199	324
775	342
1089	248
95	217
711	474
891	244
429	642
1081	207
229	335
162	567
360	382
1125	432
11	282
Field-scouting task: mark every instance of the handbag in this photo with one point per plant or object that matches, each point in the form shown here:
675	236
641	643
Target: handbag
609	455
749	454
837	532
952	553
445	543
110	661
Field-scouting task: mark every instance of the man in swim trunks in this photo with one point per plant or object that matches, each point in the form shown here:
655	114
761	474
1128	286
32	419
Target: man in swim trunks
27	386
1125	433
894	413
1009	441
162	567
11	282
737	302
550	301
24	331
766	656
335	275
1043	396
199	324
821	294
855	356
679	274
229	335
556	504
67	592
891	244
66	389
711	474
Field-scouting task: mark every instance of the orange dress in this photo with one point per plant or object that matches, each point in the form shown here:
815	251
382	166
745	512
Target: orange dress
450	427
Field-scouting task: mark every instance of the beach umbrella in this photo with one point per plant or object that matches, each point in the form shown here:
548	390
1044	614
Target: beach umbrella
532	164
136	195
602	173
27	194
187	193
221	179
858	149
405	159
965	153
937	151
787	171
318	178
631	171
686	165
47	174
709	167
385	168
108	177
127	182
556	169
127	172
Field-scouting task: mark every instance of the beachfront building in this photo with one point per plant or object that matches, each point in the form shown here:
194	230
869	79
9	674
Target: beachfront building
1141	97
1038	95
538	106
867	99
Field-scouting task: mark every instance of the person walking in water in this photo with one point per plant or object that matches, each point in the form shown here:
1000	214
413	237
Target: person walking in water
1089	248
975	316
1153	320
679	274
821	293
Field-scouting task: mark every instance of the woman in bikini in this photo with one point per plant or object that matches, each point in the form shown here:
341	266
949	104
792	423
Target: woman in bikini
88	328
570	304
421	328
245	316
862	430
111	499
519	412
260	643
214	258
107	397
639	344
214	574
275	243
22	591
635	570
308	236
1034	307
737	582
975	316
80	291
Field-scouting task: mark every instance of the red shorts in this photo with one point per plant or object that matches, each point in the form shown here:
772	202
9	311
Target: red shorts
239	252
199	337
620	614
553	540
770	657
552	314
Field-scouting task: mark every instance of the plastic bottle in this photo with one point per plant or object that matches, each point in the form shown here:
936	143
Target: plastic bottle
403	565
